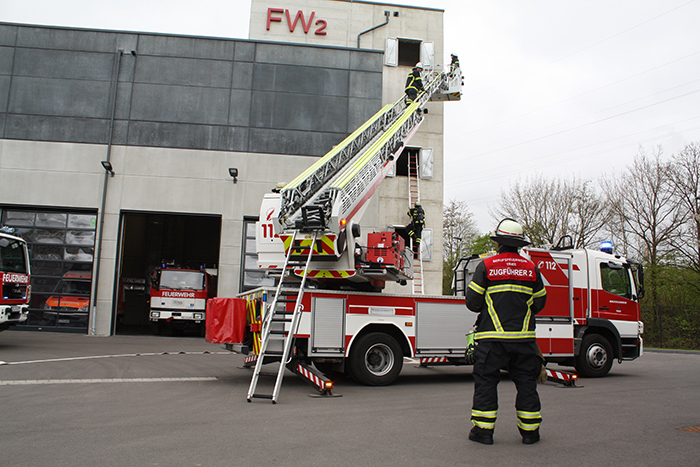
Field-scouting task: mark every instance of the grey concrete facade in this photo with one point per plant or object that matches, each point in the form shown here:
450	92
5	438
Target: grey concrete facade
186	109
182	92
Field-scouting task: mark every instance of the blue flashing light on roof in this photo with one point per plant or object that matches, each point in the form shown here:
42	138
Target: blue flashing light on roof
606	246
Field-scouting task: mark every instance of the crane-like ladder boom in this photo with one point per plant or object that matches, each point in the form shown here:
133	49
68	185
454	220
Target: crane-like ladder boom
344	179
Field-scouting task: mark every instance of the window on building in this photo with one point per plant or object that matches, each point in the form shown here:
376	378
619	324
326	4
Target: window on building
422	158
61	248
409	52
251	276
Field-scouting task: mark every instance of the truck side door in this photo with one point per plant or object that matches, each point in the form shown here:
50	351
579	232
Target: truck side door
613	300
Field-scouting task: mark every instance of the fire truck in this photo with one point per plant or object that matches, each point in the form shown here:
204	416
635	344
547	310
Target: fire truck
178	297
592	316
14	279
327	313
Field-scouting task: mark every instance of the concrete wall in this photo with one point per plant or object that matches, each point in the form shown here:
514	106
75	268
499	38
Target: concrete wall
182	92
187	109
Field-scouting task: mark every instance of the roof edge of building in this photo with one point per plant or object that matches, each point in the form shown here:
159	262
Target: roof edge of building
393	4
187	36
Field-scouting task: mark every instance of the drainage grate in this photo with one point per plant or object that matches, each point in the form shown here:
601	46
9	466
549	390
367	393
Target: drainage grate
694	429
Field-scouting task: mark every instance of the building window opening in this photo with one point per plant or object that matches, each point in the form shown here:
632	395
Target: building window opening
409	52
404	161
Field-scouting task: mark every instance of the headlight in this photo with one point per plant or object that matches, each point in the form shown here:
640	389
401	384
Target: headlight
155	314
198	316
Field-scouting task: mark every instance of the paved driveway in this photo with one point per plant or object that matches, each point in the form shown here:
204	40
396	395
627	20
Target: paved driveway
73	400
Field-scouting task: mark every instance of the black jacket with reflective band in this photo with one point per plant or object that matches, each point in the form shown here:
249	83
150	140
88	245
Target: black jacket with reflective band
507	290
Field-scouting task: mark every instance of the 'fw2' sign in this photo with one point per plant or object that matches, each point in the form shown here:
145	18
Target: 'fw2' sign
321	23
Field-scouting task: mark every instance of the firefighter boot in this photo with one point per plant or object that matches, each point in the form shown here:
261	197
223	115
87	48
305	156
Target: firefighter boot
481	435
530	437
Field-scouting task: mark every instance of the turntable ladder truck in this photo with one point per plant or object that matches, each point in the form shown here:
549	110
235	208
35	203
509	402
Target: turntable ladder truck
310	230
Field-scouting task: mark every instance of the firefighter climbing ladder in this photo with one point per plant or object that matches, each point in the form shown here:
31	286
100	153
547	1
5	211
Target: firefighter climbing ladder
276	323
413	197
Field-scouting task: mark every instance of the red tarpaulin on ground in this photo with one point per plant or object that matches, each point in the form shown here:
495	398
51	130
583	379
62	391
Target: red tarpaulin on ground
226	320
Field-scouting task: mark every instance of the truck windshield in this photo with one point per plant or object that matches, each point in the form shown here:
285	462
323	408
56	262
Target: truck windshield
12	256
182	280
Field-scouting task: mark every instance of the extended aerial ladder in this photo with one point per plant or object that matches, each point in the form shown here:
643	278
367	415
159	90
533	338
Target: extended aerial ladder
309	229
331	196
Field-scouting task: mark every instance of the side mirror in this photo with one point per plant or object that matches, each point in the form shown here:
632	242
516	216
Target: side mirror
640	292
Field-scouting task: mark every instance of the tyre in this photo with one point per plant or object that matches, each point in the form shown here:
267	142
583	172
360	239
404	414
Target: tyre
596	357
376	359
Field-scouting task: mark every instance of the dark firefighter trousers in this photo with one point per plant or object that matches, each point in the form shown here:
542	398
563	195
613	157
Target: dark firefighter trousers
523	365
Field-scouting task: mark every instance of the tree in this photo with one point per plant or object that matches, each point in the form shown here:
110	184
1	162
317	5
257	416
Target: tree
550	209
642	201
685	176
459	232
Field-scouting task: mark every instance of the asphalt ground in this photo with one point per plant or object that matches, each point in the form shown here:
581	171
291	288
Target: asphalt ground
74	400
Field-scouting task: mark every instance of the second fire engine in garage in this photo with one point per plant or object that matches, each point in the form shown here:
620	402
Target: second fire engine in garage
178	297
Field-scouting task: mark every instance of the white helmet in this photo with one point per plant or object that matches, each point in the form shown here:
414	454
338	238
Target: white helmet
510	233
419	65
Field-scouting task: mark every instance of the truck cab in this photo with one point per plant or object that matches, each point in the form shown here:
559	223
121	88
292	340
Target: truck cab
178	298
14	279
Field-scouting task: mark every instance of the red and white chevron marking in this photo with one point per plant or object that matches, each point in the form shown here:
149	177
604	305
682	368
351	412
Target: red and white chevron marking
250	359
310	376
433	360
559	375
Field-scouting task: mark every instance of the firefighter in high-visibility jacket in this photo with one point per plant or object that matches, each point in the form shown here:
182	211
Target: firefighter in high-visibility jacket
415	228
507	291
414	83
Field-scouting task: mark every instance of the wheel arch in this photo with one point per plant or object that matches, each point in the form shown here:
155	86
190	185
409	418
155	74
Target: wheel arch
387	328
604	328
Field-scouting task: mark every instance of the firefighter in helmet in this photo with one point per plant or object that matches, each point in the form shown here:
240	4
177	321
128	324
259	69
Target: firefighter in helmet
415	228
414	83
507	291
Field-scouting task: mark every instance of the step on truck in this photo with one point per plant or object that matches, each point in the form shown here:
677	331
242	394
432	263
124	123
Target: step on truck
14	278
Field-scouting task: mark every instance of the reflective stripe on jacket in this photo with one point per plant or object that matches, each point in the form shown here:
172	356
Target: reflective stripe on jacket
507	290
414	81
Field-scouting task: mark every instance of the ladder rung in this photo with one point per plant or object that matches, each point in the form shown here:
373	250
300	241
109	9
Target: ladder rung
274	353
281	320
284	333
262	396
267	373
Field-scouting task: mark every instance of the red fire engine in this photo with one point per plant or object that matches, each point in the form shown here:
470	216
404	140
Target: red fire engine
309	238
14	279
179	296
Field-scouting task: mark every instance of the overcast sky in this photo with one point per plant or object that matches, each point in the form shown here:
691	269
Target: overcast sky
559	88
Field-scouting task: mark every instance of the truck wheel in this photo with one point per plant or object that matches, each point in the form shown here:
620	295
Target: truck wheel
596	357
376	359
